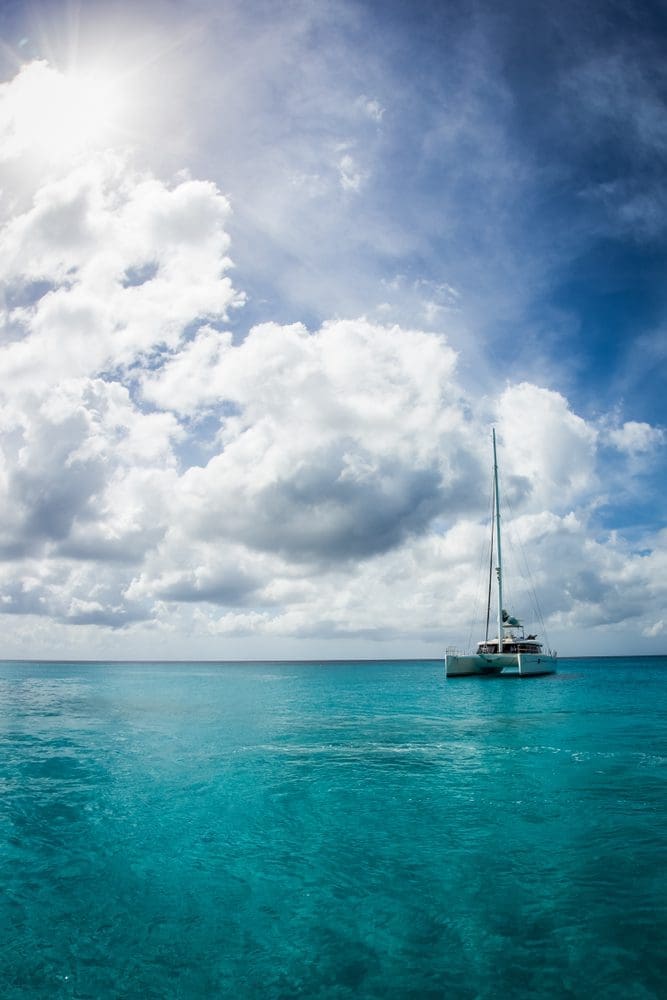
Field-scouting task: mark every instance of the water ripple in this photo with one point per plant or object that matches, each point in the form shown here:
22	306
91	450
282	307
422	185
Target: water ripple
336	832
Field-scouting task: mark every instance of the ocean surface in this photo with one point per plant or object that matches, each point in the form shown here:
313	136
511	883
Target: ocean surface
332	830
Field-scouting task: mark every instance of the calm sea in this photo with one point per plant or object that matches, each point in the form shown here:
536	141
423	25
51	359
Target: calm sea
332	830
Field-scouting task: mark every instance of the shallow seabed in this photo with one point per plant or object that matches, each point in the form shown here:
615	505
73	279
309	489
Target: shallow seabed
332	830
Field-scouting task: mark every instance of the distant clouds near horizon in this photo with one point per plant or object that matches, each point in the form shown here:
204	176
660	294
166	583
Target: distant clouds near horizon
268	279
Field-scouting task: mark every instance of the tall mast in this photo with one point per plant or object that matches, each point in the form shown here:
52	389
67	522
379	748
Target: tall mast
499	567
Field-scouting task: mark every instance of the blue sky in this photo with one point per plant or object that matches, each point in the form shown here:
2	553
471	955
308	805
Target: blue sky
272	272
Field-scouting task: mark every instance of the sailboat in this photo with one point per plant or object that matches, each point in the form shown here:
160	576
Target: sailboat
511	651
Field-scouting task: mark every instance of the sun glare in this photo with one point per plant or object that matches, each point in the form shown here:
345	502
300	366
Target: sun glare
60	114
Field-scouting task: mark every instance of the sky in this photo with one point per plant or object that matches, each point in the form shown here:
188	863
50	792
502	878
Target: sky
270	274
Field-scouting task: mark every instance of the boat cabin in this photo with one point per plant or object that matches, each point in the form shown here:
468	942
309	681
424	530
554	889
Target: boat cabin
511	644
515	641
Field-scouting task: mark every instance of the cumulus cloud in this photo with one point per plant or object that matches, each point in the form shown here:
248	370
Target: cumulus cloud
550	450
123	264
636	437
339	443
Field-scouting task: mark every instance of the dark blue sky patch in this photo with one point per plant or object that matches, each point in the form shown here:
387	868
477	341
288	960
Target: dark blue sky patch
139	274
616	294
22	295
202	440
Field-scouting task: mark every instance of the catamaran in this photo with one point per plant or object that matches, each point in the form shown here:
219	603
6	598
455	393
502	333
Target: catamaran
511	651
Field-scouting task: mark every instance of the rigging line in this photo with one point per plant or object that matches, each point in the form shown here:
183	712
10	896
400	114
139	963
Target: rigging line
476	615
528	576
488	599
474	618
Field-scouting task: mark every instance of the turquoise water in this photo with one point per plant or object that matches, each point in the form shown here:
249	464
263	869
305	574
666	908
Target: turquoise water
334	830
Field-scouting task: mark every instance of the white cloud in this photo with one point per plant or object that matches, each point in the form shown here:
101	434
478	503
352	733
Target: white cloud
123	264
351	177
338	443
43	111
371	108
550	450
635	437
85	473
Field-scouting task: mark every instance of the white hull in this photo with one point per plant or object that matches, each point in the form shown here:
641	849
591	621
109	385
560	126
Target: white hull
493	664
536	664
457	665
